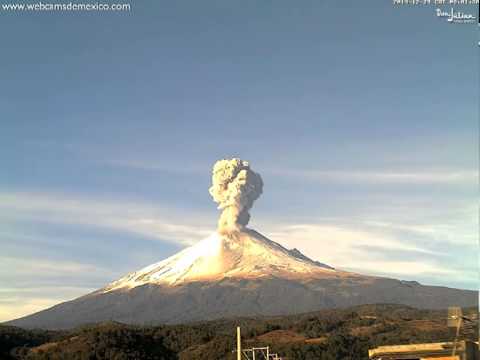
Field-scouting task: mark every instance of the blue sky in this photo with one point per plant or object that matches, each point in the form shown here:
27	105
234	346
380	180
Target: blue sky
360	117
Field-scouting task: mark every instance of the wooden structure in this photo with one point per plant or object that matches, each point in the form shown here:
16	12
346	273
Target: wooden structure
462	350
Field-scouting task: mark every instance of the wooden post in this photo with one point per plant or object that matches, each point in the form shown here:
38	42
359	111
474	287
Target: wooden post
239	344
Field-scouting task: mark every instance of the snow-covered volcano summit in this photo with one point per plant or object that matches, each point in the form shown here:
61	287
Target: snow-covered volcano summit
240	254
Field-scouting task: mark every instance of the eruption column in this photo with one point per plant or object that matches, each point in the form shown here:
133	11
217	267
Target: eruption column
234	187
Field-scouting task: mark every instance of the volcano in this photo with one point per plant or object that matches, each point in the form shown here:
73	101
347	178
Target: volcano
236	272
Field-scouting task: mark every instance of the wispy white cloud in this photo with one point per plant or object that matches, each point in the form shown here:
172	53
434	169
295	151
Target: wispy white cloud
164	166
26	266
410	268
337	244
454	230
125	216
22	306
32	284
418	176
383	176
413	250
18	302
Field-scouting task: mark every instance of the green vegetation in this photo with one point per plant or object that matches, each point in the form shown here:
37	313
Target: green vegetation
328	335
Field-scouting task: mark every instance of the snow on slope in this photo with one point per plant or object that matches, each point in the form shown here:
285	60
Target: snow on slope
245	254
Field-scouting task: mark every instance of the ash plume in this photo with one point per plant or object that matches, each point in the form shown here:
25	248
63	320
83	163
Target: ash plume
234	187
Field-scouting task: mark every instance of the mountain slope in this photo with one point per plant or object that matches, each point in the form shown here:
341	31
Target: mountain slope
236	274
